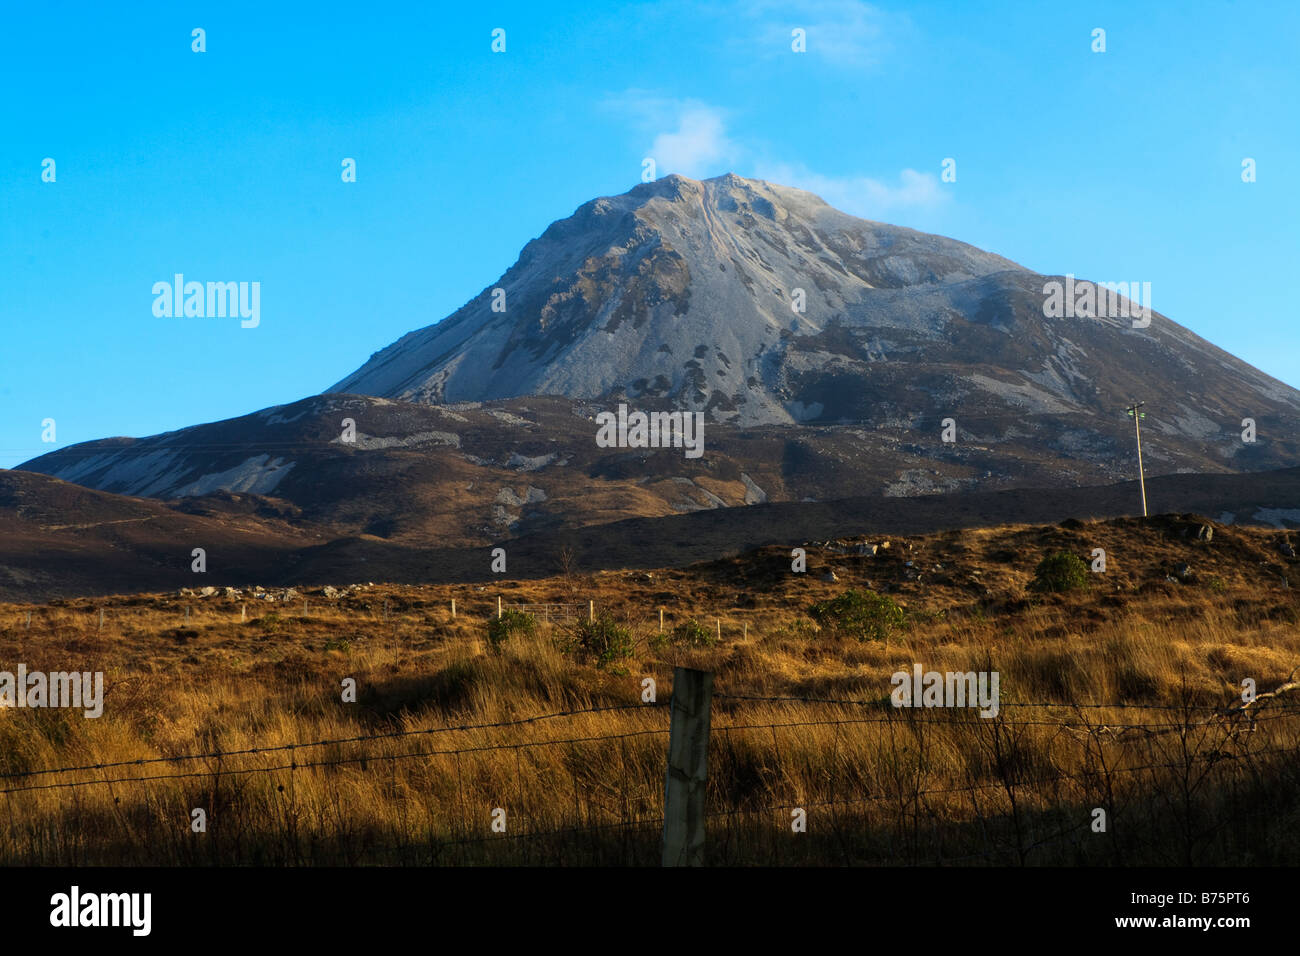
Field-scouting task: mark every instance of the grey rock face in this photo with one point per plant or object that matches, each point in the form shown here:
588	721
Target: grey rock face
685	291
683	294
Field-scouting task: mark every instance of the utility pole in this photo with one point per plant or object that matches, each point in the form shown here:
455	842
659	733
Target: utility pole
1137	417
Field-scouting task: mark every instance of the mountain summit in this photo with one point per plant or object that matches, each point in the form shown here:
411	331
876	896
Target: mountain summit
762	304
683	291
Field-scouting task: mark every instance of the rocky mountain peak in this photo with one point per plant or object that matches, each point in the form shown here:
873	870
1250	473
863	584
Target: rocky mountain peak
682	291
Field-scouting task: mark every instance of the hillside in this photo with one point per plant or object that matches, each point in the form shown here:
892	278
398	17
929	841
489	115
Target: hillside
680	293
117	544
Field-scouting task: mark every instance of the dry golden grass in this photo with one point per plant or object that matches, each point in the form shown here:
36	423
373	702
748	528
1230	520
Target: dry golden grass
879	785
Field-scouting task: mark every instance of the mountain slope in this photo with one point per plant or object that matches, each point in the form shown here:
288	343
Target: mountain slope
677	289
679	294
60	540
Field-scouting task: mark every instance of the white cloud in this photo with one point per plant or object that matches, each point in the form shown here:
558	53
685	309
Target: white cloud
699	146
690	137
687	137
846	33
861	195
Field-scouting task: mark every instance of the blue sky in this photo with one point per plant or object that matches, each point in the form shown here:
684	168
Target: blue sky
225	165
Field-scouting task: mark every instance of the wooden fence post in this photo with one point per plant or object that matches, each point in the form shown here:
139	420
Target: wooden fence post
661	620
498	607
591	611
688	768
453	609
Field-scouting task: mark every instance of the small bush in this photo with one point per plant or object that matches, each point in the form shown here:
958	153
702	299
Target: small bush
799	629
602	640
511	622
693	634
1059	572
865	615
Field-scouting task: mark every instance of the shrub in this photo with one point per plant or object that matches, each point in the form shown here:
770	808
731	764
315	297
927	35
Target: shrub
603	640
693	634
1062	571
800	628
511	622
865	615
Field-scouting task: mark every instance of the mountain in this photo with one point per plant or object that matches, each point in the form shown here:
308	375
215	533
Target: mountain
679	294
482	428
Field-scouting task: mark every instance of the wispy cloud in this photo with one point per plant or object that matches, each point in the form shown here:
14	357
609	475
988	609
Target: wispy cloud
683	136
845	33
691	138
697	147
861	195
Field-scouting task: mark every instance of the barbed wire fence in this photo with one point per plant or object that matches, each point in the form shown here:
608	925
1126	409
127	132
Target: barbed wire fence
867	784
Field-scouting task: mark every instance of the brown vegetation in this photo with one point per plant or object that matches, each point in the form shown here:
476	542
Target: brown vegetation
1139	670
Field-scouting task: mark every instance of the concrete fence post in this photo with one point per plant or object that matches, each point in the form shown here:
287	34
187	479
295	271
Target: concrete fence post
688	764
